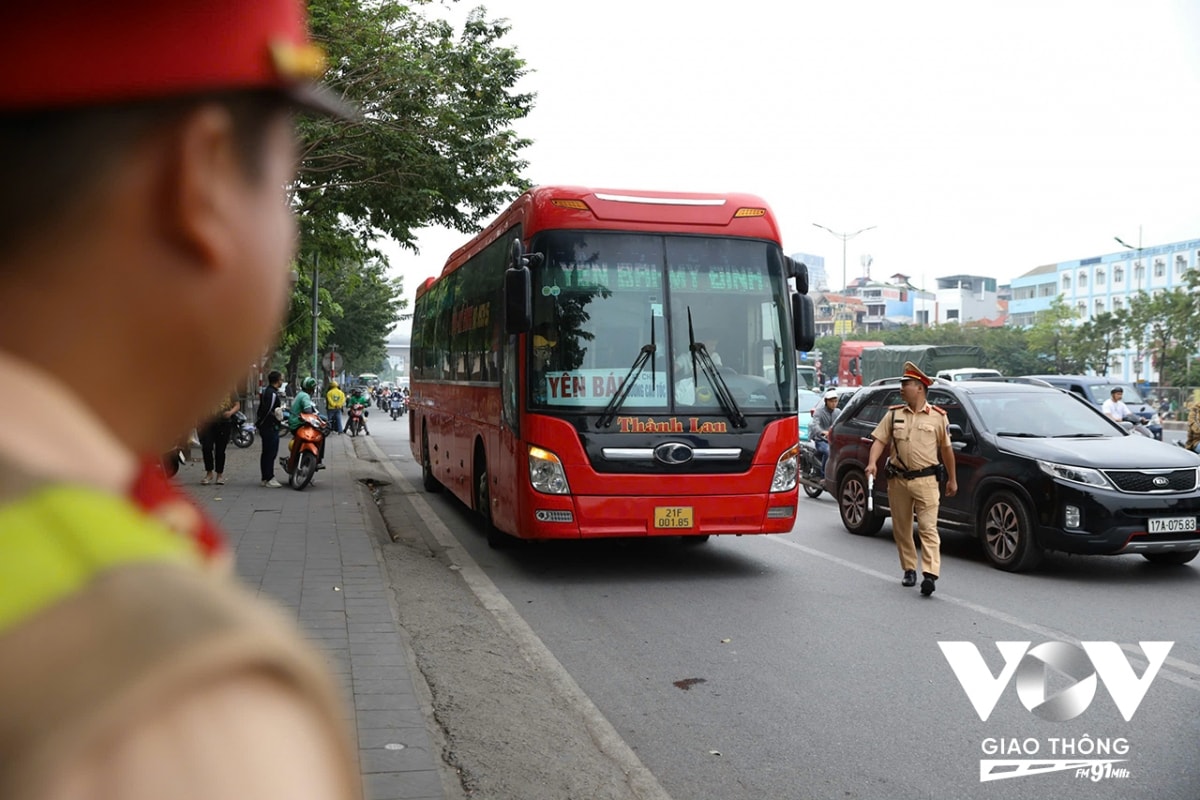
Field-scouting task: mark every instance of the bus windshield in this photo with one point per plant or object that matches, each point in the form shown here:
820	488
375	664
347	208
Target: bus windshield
601	300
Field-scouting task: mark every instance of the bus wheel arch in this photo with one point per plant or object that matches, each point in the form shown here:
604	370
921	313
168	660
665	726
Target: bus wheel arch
481	492
428	480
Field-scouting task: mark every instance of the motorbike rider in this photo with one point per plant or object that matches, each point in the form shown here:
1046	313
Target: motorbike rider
1114	407
303	404
358	397
823	418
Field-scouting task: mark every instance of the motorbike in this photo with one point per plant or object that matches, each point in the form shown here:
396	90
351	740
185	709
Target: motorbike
242	431
396	403
811	474
356	422
307	449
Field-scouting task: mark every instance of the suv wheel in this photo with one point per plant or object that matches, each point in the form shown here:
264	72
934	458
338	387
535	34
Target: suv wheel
852	504
1006	529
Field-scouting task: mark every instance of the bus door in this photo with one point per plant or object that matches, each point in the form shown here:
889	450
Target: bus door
508	464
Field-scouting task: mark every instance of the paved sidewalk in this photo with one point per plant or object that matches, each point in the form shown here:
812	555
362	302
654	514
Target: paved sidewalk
316	553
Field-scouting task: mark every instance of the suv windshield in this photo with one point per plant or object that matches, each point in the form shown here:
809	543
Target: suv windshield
1038	414
601	299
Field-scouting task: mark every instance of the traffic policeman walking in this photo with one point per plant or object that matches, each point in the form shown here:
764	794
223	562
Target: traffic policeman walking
917	432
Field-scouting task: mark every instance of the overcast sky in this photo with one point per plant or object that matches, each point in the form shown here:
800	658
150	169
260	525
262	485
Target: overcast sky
978	137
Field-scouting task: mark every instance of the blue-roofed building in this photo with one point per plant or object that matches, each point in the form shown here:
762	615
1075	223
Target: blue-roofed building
1102	284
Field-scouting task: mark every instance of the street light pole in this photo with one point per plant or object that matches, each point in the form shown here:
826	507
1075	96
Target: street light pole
1124	244
1128	246
1137	364
845	237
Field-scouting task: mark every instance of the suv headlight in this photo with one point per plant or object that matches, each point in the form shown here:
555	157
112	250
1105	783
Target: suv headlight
1073	474
786	470
546	472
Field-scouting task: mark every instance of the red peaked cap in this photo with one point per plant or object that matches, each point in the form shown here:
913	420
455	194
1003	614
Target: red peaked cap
912	372
73	53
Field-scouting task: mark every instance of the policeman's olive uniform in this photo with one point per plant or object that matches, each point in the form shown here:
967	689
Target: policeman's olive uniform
916	438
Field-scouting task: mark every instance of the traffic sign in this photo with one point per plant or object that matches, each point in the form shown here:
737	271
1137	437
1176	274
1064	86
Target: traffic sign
332	361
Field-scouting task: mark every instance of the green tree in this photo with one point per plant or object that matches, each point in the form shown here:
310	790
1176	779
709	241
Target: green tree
1095	341
1162	326
1052	334
434	146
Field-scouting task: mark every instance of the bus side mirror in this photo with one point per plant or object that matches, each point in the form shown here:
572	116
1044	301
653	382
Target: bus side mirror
518	290
518	300
804	325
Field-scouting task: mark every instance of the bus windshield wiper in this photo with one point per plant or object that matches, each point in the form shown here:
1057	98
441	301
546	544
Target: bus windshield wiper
618	398
720	388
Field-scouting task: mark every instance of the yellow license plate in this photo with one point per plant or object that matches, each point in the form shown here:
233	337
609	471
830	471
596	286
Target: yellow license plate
672	516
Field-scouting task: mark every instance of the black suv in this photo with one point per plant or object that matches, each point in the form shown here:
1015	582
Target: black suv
1038	469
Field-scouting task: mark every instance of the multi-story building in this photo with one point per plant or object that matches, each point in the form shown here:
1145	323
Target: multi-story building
838	314
887	304
1105	284
959	298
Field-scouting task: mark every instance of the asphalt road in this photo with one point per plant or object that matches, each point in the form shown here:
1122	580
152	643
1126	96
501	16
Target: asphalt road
797	666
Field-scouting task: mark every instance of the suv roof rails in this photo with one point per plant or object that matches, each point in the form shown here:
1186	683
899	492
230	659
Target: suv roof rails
1018	379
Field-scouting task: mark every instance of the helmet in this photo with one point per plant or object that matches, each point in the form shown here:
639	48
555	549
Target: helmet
308	384
830	395
333	384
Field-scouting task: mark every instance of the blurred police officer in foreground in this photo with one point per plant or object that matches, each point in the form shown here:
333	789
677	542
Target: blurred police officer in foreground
918	432
145	247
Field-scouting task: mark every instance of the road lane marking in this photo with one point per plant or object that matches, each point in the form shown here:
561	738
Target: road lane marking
642	782
1001	616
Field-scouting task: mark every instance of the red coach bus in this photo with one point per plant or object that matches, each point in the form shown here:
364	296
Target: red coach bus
602	363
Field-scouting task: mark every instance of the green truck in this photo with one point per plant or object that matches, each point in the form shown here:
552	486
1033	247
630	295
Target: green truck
888	361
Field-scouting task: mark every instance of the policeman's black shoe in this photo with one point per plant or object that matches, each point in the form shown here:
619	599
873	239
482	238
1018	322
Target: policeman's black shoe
910	578
928	585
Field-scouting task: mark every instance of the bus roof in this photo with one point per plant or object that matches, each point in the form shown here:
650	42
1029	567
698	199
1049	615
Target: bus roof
583	208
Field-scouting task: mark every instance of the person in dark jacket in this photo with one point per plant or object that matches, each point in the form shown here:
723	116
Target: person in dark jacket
268	428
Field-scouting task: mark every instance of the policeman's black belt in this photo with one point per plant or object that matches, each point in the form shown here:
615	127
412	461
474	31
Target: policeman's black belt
909	474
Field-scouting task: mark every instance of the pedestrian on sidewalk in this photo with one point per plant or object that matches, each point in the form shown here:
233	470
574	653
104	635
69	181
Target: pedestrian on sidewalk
214	438
335	401
145	239
268	427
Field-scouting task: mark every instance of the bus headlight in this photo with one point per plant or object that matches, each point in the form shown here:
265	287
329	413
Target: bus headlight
546	472
786	470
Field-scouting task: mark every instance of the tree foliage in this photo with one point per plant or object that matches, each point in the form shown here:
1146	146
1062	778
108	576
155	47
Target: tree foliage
434	145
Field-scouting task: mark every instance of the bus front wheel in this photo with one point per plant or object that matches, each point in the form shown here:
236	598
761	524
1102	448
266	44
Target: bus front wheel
496	539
